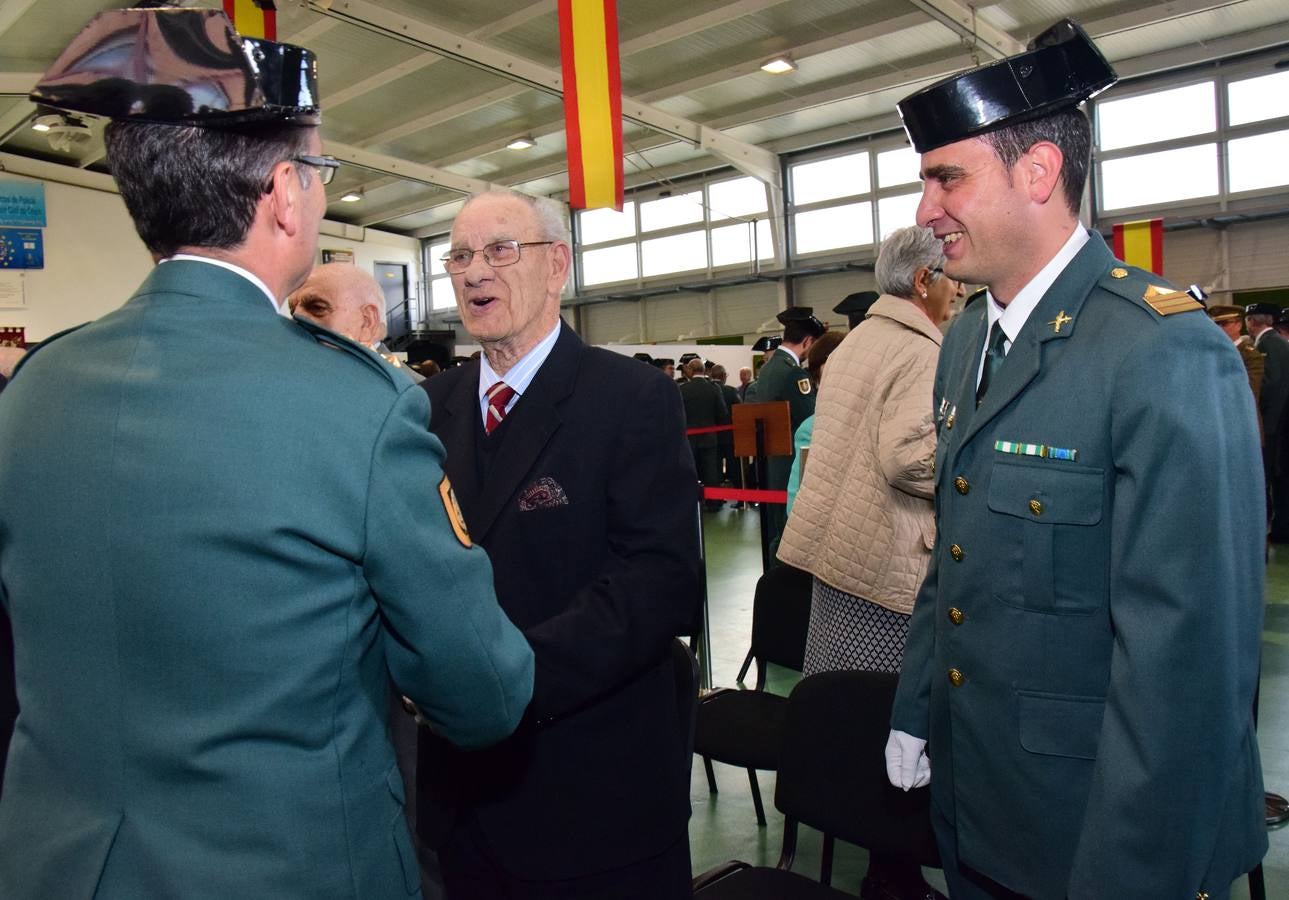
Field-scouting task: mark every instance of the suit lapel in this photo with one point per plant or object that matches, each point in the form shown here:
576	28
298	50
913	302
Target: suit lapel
1064	300
531	424
454	422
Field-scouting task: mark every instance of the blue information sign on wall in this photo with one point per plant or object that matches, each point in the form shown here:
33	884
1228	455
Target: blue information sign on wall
22	204
21	248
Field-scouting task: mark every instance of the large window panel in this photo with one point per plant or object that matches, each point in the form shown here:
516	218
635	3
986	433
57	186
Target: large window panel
609	264
441	294
596	226
1258	99
675	253
732	244
1159	116
1257	162
737	198
897	212
828	179
898	167
848	225
1163	177
668	212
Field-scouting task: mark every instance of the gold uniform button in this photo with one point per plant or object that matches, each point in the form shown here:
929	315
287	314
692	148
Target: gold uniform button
955	615
1035	507
956	678
956	552
961	485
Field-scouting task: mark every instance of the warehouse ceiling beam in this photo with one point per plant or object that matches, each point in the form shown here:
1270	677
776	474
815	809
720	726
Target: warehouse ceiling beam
962	19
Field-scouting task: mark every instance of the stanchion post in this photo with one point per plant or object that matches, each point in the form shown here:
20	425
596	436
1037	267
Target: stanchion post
702	646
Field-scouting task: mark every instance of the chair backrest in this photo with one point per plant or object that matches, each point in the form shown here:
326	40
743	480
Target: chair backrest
686	671
832	772
780	616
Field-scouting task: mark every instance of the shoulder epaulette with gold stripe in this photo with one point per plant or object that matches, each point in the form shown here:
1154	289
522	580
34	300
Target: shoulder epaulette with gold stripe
1168	303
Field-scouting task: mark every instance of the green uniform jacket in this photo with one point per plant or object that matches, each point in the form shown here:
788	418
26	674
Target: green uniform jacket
220	538
1083	653
783	379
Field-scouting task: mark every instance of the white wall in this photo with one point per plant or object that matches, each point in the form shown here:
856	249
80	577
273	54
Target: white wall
94	260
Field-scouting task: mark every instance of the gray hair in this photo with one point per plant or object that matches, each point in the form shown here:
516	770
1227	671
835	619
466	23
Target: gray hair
552	216
904	251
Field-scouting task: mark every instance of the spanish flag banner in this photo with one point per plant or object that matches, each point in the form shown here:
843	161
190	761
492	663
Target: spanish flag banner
253	18
588	45
1141	244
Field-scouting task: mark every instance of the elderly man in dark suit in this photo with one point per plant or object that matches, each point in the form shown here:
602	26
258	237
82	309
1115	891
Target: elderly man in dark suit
1089	417
572	470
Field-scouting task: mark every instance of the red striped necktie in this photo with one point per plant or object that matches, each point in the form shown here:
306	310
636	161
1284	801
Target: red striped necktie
498	397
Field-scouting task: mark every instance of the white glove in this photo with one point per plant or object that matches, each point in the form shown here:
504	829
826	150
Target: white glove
907	765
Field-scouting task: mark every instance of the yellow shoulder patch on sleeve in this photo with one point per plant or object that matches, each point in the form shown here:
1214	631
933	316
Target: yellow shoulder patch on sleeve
1167	303
803	385
453	510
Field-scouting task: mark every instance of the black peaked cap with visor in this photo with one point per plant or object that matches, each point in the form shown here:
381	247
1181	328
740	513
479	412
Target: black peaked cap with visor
1060	69
180	67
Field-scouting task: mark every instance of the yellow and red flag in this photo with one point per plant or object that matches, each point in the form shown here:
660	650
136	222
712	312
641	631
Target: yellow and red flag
588	46
253	18
1141	244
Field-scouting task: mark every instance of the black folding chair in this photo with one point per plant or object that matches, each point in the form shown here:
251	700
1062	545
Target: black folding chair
745	727
832	777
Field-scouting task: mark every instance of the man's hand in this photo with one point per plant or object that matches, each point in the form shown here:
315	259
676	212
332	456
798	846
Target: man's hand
907	765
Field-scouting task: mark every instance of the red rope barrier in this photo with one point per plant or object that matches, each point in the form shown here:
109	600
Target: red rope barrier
746	495
709	429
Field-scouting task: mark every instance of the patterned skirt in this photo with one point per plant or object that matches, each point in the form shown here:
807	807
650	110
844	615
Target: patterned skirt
850	633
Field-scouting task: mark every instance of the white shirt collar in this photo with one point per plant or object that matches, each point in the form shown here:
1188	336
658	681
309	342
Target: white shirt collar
1015	314
249	276
520	375
796	359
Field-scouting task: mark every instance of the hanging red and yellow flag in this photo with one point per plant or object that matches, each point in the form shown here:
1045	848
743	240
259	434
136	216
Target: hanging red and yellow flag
588	46
1141	244
253	18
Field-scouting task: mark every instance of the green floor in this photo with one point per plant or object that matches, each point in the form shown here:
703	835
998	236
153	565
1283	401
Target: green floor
724	826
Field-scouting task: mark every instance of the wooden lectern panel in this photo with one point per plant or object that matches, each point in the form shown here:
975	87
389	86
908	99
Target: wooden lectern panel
778	428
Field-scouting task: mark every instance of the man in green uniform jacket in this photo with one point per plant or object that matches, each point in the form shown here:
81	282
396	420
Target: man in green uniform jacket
1081	657
783	377
223	531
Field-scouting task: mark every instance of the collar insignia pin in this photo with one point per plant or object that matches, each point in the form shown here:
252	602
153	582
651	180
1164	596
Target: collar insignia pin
1060	320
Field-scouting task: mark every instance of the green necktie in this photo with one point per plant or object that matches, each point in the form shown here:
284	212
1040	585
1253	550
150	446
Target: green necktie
994	357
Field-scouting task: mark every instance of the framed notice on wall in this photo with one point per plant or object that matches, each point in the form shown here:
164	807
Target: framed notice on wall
22	204
338	256
13	290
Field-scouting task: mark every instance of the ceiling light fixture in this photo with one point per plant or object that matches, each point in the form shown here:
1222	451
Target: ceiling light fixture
522	143
780	65
46	122
351	196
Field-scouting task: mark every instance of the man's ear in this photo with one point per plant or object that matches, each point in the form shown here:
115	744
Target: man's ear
1041	170
284	200
561	261
371	321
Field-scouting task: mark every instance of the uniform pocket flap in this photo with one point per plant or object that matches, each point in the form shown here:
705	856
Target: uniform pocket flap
1046	492
1060	724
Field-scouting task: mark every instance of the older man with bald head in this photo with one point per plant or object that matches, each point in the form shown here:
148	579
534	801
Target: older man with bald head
348	301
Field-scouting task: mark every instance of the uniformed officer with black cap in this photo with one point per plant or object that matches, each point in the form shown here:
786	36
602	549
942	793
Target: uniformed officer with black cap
784	378
1081	657
224	530
855	306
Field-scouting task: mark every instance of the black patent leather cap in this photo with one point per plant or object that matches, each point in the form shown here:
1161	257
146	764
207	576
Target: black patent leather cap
1061	69
181	67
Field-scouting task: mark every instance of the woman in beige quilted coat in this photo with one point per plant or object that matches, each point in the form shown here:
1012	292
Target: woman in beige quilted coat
863	523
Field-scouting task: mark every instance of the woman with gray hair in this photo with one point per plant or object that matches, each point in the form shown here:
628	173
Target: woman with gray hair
863	523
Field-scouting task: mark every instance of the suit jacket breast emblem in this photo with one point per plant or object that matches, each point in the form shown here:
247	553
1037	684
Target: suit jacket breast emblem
544	493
